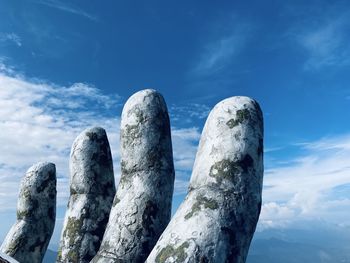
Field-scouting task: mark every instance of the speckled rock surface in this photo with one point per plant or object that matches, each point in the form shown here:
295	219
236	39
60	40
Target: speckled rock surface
92	190
29	237
6	259
217	220
142	206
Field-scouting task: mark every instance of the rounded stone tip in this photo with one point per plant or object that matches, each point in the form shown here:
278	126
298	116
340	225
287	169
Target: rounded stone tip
143	93
42	166
37	175
91	134
91	164
145	132
231	142
143	100
38	188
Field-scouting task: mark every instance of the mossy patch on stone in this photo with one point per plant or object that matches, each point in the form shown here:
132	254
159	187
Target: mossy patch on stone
15	245
116	201
22	214
241	116
73	229
179	253
92	135
227	169
130	134
202	202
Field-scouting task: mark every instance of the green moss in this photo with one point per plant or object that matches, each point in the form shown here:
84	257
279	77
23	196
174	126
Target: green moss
72	256
241	116
25	193
129	134
92	136
73	229
15	245
224	170
71	232
22	214
227	169
178	253
139	115
202	201
116	201
59	255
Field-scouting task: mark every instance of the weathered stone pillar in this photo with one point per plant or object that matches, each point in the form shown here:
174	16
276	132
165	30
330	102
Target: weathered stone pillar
92	191
28	239
217	220
142	205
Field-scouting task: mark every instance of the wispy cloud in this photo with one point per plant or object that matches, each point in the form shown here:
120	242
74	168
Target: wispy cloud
327	43
219	51
187	113
12	38
65	7
308	186
39	121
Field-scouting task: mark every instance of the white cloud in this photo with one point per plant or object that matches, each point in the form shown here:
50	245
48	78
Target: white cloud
60	5
185	143
219	52
39	121
327	43
11	37
306	187
184	114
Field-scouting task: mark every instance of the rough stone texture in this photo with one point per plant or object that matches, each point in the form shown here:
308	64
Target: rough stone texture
142	205
6	259
92	190
29	237
217	220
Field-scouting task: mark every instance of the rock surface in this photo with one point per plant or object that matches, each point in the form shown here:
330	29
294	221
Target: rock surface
28	239
142	205
6	259
92	190
217	220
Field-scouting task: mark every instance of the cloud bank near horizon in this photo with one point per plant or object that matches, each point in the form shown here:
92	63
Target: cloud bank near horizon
39	121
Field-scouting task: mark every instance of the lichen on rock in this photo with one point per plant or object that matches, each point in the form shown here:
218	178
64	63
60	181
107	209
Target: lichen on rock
29	237
142	206
92	190
217	219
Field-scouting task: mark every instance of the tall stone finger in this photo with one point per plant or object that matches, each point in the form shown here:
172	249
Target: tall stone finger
217	220
92	190
29	237
142	206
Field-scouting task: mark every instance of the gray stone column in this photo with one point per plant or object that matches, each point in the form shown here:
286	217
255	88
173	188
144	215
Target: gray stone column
217	220
142	205
29	237
92	190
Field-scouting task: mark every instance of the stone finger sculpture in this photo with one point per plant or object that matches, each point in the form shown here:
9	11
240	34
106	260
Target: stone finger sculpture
142	205
92	190
29	237
217	220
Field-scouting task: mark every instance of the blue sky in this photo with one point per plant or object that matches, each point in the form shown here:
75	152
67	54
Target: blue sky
68	65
